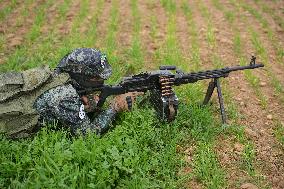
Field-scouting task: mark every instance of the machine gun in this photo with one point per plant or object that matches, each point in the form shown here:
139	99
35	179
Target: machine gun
160	84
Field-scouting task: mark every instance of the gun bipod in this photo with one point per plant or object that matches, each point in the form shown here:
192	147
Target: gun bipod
212	84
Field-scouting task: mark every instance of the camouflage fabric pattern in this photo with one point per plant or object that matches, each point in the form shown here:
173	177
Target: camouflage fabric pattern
12	83
86	61
64	104
100	124
19	91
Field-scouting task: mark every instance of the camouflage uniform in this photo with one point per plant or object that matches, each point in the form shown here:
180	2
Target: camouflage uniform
45	96
63	102
18	92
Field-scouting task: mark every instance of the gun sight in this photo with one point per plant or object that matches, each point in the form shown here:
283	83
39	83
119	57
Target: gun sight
167	67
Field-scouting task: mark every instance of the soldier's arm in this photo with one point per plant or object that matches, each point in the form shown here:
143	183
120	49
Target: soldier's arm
100	124
64	104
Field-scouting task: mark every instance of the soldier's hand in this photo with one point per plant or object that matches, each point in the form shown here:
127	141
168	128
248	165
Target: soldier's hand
120	103
90	102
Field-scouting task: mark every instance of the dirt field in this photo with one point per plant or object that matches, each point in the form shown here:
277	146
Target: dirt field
203	34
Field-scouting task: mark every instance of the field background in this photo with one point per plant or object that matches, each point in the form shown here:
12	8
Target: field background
195	151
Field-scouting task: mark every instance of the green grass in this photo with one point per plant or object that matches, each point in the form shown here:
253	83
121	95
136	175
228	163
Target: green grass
261	51
38	22
279	132
63	8
192	30
277	18
4	12
135	51
235	132
248	157
43	51
169	5
139	151
16	59
266	26
253	80
207	168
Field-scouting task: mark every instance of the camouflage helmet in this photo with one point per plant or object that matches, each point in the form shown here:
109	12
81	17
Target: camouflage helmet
87	62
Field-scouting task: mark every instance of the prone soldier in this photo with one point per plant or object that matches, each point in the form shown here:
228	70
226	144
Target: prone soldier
31	97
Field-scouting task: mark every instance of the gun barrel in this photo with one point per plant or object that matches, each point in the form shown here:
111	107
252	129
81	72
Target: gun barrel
208	74
251	66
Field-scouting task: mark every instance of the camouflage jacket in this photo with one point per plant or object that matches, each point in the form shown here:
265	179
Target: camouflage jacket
63	103
36	95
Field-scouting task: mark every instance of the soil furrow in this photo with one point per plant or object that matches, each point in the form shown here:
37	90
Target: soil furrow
268	44
124	35
157	33
267	41
147	41
182	33
4	4
52	16
273	77
162	21
275	11
16	30
87	22
259	128
272	24
65	27
201	28
57	29
102	24
8	19
228	157
273	69
12	25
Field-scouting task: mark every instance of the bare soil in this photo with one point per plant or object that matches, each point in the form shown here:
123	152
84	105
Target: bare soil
52	16
102	24
4	4
16	26
259	128
66	26
88	21
14	31
228	158
125	32
277	10
152	42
